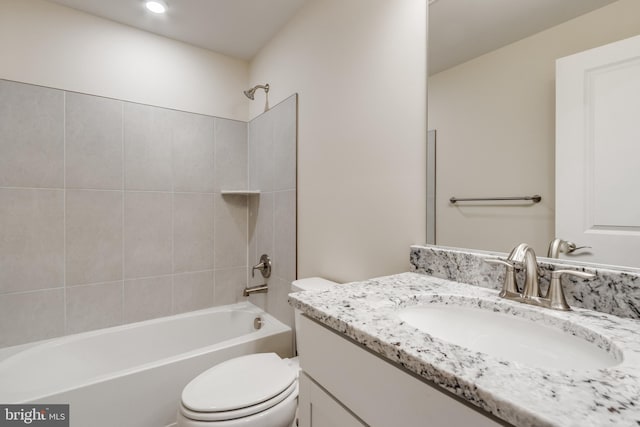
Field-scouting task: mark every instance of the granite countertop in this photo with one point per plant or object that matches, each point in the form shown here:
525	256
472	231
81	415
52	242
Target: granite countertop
519	394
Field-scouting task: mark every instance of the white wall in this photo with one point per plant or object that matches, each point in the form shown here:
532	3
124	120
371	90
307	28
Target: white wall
495	119
359	67
50	45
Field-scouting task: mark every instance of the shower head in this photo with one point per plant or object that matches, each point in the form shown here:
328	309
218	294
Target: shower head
250	93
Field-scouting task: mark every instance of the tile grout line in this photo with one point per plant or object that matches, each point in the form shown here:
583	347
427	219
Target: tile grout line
124	177
108	190
173	189
64	213
213	205
248	176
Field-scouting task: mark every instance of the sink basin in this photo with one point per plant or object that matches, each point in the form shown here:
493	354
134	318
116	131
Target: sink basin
508	337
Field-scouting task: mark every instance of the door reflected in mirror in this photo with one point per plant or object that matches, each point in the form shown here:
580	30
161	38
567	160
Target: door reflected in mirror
495	114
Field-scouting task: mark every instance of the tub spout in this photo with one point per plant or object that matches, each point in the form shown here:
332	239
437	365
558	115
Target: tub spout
261	289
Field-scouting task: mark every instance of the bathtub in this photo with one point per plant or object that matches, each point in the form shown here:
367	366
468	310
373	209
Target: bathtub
133	375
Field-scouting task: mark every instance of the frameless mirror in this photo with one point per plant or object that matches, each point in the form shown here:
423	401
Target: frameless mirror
491	100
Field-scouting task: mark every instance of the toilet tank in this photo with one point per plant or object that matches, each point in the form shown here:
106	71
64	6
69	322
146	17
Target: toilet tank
311	284
308	284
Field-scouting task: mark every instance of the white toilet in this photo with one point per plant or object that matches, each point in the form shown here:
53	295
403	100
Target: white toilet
257	390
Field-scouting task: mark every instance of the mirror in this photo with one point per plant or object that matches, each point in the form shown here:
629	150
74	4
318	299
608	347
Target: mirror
492	105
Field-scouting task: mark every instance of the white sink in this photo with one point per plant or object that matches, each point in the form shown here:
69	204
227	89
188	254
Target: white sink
508	337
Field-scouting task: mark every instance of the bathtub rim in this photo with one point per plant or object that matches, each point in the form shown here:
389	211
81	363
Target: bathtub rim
271	327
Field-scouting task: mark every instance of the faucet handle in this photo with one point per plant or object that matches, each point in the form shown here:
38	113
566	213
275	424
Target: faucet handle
264	266
509	286
555	295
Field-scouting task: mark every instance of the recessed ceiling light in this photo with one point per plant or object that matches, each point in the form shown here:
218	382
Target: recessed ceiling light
156	6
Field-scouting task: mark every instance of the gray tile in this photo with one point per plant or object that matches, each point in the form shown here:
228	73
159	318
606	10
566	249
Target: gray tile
94	230
260	227
93	132
192	291
277	301
229	285
192	232
193	152
32	136
230	241
31	239
259	300
261	167
147	145
147	234
284	248
231	155
31	316
284	144
147	298
94	307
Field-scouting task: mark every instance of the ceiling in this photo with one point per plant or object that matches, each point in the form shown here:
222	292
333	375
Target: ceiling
237	28
458	29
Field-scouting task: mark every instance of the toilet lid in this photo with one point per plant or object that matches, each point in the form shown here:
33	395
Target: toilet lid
261	408
239	383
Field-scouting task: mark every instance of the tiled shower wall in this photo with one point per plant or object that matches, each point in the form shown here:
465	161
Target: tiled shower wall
272	215
111	212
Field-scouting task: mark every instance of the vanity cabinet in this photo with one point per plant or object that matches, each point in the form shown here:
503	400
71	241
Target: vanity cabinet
317	408
343	384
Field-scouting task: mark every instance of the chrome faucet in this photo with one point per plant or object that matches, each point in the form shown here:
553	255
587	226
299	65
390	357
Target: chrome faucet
523	257
260	289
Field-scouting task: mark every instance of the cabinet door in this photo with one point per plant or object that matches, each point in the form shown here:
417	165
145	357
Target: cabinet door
316	408
375	390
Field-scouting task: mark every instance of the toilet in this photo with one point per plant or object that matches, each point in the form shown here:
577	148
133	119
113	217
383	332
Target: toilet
256	390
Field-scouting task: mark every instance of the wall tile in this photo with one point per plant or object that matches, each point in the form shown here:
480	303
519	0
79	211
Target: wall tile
231	147
192	232
261	167
94	307
284	250
93	132
31	316
192	291
260	227
229	285
32	136
277	301
147	298
147	234
147	146
259	300
193	152
230	241
31	239
284	144
173	222
94	228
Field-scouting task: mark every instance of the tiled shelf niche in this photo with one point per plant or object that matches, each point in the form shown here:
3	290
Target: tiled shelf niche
240	192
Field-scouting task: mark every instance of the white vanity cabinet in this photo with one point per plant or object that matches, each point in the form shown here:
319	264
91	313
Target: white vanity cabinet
344	385
317	408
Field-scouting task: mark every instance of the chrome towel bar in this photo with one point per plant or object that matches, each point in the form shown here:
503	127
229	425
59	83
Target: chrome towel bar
535	199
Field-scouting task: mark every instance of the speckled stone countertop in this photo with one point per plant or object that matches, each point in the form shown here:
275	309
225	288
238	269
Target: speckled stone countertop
516	393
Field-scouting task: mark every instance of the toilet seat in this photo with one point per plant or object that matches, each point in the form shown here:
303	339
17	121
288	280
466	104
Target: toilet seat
239	387
242	412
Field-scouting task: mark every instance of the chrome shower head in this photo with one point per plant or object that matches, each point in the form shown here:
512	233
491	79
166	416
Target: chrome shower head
250	93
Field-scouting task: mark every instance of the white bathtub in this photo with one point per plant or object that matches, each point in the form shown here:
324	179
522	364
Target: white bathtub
132	375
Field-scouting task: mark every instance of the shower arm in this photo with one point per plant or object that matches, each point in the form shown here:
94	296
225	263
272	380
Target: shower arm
250	93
